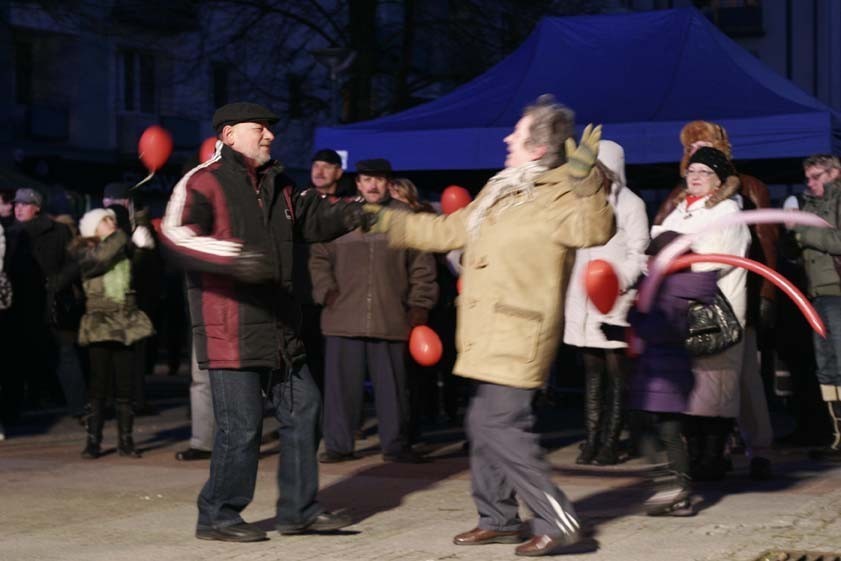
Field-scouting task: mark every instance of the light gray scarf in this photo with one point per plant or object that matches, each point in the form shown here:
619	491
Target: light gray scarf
507	181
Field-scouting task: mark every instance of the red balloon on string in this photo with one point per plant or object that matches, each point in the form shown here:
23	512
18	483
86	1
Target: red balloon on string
207	149
601	284
425	346
454	198
154	147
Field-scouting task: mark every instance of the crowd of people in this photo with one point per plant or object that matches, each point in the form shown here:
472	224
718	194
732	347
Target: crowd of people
296	296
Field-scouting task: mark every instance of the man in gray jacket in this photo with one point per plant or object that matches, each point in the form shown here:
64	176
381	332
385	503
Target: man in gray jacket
821	248
373	295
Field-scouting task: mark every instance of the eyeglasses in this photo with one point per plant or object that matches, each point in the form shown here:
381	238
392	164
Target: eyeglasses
701	172
816	176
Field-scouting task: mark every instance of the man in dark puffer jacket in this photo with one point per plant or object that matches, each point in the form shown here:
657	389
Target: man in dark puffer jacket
232	222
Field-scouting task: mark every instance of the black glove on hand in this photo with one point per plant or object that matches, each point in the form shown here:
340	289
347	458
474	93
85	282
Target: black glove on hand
356	217
253	267
418	316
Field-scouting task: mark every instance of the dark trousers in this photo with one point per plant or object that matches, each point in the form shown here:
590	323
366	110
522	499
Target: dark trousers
111	369
664	430
506	462
238	411
346	362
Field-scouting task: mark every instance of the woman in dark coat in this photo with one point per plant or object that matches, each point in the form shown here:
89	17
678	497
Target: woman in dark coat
659	389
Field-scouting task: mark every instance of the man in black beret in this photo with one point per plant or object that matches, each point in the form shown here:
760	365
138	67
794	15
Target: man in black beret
232	223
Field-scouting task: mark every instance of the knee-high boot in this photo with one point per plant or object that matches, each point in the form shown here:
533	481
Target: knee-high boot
93	427
592	416
125	423
614	417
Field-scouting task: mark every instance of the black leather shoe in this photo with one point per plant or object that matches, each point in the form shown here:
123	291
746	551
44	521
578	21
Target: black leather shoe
242	532
329	457
191	454
406	457
324	522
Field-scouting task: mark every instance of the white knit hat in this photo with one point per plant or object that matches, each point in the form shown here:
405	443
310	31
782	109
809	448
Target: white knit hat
91	219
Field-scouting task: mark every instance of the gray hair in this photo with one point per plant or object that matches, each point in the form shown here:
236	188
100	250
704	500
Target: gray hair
551	124
826	161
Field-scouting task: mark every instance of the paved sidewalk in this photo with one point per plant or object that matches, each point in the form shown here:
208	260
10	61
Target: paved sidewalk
56	506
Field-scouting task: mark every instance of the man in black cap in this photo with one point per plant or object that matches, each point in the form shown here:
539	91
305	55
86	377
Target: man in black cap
325	175
232	223
46	307
373	295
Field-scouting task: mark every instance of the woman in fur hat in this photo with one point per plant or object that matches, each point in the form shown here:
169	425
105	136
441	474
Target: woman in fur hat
714	401
111	324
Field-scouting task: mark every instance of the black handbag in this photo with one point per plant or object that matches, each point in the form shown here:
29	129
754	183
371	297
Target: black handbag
712	327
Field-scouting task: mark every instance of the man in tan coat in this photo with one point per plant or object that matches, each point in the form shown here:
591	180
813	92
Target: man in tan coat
519	238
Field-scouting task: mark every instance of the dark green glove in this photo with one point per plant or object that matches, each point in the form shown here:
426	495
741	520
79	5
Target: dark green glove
582	158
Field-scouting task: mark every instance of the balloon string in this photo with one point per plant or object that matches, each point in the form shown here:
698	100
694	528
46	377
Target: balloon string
148	177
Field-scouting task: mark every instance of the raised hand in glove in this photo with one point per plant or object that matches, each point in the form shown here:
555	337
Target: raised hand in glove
377	219
582	158
253	267
418	316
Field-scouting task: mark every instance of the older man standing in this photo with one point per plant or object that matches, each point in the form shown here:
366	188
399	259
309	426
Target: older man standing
372	295
519	237
232	222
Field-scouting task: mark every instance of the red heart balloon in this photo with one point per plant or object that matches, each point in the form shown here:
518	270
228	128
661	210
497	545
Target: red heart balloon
207	149
425	346
155	147
454	198
601	284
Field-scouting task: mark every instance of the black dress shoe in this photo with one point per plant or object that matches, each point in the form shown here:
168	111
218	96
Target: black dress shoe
406	457
242	532
329	457
324	522
191	454
541	545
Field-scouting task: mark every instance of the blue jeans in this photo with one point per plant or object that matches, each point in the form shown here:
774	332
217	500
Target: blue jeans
238	411
828	351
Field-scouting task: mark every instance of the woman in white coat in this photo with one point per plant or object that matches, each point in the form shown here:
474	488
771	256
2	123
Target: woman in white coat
605	361
714	401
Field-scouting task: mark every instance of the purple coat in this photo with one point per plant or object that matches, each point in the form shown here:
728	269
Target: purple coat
663	378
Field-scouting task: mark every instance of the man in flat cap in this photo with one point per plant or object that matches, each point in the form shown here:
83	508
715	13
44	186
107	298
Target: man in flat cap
326	174
46	308
373	295
232	222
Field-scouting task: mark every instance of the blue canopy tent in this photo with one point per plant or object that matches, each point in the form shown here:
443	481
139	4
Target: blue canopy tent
642	75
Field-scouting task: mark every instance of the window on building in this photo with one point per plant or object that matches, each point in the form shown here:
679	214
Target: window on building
138	82
23	72
220	77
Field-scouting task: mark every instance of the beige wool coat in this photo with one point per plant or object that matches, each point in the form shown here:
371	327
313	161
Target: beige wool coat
515	271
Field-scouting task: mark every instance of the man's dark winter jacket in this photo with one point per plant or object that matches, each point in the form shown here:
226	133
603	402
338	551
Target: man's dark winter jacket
221	210
40	270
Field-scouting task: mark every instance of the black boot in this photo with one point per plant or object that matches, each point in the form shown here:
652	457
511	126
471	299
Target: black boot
592	414
93	426
125	422
613	417
712	465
